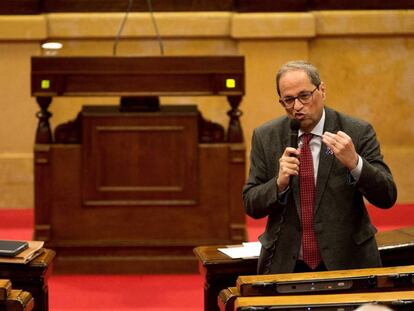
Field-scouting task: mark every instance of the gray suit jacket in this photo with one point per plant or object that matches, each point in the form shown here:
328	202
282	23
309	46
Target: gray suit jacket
343	229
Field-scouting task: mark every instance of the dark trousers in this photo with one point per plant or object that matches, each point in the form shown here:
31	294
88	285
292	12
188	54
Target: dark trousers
303	267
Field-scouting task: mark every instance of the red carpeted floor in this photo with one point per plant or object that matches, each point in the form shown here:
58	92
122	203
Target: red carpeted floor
148	292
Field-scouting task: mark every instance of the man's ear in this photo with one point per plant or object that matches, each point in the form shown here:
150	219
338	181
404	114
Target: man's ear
322	88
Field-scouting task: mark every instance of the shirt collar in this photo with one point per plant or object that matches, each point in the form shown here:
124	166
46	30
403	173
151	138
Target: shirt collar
318	129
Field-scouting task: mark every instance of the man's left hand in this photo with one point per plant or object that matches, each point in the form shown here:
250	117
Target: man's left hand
342	147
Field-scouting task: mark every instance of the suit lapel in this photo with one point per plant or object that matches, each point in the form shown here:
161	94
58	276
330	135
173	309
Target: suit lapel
326	158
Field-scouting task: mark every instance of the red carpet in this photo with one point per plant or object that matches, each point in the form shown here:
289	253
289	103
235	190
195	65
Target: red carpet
126	292
148	292
109	292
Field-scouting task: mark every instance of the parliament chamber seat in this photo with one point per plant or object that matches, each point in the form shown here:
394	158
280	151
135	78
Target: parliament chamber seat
288	291
30	278
221	272
12	299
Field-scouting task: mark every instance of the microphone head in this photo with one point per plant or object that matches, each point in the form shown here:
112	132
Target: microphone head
294	125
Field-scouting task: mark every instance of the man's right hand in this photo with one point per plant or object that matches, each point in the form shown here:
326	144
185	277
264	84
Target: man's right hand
288	166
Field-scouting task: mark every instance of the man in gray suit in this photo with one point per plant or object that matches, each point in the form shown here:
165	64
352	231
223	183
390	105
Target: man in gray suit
347	167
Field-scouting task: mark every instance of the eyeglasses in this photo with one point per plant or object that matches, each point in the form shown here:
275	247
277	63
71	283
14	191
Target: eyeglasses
304	97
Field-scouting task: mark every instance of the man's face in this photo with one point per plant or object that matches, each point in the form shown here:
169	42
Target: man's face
297	82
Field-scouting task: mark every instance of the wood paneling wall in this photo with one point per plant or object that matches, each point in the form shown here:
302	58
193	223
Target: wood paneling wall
49	6
12	7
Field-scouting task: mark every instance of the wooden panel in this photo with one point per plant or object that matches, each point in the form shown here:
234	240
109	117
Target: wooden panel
309	5
72	6
361	5
167	75
127	83
238	177
272	6
121	5
328	302
139	239
43	191
140	158
15	7
137	76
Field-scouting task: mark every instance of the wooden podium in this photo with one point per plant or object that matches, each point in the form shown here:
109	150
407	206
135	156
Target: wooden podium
133	191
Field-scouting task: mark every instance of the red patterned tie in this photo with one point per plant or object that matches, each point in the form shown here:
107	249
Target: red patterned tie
311	255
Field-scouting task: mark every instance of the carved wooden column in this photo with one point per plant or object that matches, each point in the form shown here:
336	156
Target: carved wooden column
234	133
43	132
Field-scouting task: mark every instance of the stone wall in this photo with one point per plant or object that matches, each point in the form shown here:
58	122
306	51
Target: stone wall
366	59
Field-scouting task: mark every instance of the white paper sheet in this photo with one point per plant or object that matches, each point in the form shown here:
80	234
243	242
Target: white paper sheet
246	250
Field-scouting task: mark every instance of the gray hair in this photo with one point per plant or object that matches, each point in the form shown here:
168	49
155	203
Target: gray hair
373	307
310	70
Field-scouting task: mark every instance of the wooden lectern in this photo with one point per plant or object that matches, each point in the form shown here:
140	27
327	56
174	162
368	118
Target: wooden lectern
121	190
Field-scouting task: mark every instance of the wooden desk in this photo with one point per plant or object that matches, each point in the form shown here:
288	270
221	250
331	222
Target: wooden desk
385	279
17	300
401	300
220	271
396	246
32	277
335	281
227	297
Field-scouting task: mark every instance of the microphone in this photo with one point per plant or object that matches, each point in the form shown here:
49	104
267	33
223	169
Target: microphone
294	128
121	27
154	24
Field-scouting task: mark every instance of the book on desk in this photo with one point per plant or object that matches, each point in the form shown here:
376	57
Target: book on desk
11	248
24	251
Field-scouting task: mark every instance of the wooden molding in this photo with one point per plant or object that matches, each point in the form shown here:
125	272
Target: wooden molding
19	7
70	6
138	6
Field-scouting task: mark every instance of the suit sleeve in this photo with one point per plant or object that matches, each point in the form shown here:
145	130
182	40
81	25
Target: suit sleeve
376	182
260	195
